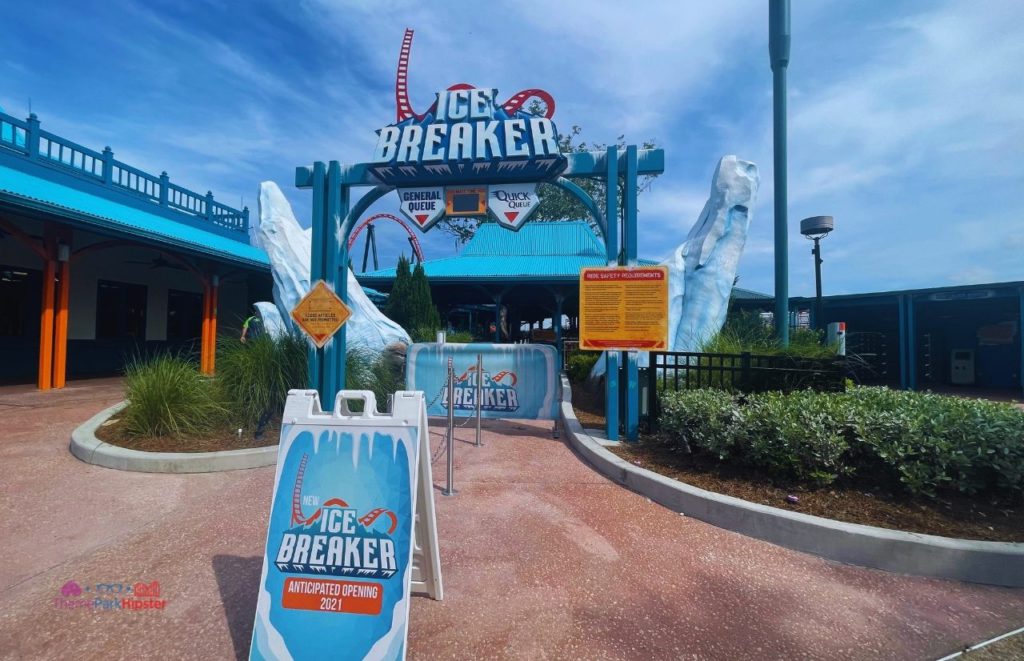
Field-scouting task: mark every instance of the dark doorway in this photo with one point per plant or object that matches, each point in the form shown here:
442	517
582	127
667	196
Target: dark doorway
120	311
184	315
20	301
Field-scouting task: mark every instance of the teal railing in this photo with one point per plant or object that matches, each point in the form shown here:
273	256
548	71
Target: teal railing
25	137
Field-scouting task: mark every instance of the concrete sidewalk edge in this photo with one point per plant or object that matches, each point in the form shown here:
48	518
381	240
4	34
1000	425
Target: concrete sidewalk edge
992	563
86	447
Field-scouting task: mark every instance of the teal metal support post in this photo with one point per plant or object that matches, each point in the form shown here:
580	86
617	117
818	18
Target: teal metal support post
778	51
557	327
903	341
316	267
632	357
611	241
1020	334
911	345
337	269
497	318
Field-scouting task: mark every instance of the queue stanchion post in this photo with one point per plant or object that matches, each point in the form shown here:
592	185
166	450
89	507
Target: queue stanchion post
450	488
479	394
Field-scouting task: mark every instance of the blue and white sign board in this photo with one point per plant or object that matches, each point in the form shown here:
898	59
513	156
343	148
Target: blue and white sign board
519	380
338	565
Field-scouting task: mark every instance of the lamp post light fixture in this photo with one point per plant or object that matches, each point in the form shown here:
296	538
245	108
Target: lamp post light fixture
817	228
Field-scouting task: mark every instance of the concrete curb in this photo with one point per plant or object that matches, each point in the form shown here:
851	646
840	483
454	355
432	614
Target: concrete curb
91	450
992	563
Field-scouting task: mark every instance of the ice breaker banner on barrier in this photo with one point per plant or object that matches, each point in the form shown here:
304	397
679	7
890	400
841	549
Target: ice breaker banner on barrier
338	560
519	380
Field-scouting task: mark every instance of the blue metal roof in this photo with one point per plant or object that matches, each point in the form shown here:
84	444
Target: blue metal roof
19	187
547	251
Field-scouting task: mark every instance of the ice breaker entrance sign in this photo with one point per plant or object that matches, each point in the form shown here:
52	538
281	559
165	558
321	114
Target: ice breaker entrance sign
339	560
466	136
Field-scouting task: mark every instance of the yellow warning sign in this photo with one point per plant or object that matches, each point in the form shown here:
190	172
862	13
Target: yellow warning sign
321	313
624	308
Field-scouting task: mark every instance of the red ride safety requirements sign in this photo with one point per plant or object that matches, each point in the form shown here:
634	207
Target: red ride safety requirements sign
317	594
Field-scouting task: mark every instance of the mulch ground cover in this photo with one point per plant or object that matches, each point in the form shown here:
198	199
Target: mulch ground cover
978	517
222	439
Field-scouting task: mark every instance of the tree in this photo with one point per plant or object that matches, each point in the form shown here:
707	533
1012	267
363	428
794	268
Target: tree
555	203
410	304
397	308
558	204
425	319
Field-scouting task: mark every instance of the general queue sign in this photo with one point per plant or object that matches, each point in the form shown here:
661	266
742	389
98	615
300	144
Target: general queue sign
624	308
321	313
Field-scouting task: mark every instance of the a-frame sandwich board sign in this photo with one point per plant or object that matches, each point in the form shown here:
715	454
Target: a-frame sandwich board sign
338	564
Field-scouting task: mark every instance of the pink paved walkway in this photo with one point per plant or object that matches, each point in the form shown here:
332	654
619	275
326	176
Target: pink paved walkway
542	558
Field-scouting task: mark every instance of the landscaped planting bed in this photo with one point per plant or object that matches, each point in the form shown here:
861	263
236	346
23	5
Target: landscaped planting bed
910	461
172	407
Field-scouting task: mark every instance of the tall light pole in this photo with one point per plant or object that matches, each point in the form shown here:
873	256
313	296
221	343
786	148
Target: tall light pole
778	51
817	228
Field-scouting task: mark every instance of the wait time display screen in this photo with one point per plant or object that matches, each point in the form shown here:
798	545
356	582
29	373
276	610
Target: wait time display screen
466	202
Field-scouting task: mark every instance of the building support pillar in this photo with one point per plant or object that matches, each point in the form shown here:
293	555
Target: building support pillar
46	317
62	314
904	380
557	323
1020	333
911	345
208	342
497	317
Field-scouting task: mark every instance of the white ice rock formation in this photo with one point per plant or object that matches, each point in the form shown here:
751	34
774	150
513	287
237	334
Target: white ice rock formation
702	270
289	248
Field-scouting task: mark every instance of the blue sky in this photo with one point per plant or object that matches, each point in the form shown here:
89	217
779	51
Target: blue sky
906	117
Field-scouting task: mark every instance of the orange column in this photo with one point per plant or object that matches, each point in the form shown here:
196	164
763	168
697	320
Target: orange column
214	294
60	331
45	379
204	343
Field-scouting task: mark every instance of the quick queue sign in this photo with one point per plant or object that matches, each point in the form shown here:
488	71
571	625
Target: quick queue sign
624	308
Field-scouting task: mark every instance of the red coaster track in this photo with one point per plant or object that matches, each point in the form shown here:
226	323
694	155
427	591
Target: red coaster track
403	108
413	239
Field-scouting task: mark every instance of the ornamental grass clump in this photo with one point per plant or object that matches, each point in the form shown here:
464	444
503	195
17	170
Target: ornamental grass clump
254	376
918	443
167	396
366	371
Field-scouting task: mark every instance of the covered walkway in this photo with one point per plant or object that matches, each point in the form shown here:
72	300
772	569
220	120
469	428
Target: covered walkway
542	558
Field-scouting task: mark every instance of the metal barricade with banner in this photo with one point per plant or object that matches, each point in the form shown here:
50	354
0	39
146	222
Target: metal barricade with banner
517	380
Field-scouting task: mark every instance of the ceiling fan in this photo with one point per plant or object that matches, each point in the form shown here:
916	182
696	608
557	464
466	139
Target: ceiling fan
157	262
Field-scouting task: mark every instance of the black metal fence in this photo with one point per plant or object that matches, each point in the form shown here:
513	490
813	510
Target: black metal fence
742	372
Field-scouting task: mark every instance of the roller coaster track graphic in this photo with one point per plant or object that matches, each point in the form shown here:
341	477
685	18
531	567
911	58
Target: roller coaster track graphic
497	378
403	108
301	519
413	240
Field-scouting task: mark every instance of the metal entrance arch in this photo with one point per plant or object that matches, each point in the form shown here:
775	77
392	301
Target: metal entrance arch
334	217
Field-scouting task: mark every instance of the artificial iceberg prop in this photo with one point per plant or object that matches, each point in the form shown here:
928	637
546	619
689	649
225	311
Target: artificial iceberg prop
289	248
702	270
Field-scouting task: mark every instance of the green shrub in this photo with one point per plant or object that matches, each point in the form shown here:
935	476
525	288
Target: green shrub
459	337
917	442
705	419
798	436
580	363
167	396
255	376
